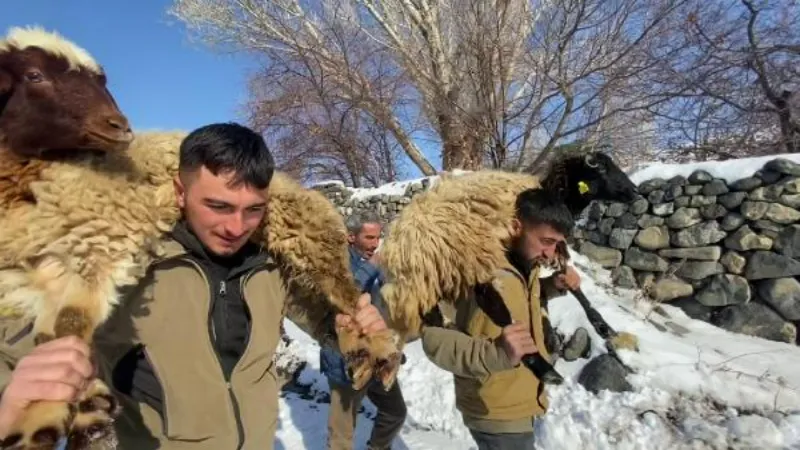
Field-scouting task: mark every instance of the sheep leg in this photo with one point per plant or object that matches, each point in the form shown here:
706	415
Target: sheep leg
44	424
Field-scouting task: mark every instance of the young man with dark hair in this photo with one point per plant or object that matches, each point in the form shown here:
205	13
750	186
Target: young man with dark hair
189	351
497	397
364	232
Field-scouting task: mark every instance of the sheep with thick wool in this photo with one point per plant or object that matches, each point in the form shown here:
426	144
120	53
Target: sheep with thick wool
84	209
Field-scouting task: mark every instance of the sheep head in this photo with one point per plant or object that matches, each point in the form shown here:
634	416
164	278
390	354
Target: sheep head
53	97
581	178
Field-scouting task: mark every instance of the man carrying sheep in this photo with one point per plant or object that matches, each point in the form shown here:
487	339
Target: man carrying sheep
364	233
497	397
188	352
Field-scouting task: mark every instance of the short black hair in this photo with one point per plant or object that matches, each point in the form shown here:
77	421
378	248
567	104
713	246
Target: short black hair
538	206
228	147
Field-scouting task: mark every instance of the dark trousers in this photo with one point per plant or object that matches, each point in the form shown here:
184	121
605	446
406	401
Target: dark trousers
503	441
345	403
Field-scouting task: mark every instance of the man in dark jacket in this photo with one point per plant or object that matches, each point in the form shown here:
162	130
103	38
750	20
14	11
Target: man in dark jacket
364	235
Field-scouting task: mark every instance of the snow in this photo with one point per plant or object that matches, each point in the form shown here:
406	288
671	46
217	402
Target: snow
730	170
695	387
395	188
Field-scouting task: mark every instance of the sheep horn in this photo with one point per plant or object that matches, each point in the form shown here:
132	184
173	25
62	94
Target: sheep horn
590	160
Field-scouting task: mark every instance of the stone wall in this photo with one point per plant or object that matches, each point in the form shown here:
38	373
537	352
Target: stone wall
387	201
726	253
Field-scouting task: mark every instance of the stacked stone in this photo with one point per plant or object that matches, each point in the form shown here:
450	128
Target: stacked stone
726	253
387	206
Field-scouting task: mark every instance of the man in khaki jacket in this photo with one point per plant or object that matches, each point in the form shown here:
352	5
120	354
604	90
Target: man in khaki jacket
189	351
498	398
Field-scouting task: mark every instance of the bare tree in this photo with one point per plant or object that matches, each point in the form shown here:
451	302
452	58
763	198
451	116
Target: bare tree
738	76
497	82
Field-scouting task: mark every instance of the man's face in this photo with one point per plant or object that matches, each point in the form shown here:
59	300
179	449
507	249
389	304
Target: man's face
222	217
536	243
366	240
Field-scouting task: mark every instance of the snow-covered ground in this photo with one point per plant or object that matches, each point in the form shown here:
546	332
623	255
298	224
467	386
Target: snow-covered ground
695	387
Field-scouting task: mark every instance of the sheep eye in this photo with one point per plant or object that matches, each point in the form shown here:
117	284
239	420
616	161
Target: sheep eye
34	76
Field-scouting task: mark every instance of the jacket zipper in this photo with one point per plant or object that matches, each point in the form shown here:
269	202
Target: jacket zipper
234	402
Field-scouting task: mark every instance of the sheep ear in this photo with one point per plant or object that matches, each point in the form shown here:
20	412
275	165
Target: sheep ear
5	82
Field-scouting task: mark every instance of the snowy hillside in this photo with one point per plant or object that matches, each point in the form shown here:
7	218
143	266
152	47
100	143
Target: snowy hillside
695	387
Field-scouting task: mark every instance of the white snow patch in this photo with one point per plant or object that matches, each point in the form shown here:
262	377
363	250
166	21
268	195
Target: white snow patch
730	170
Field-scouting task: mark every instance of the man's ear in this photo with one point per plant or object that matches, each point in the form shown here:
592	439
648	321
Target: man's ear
516	228
351	238
180	191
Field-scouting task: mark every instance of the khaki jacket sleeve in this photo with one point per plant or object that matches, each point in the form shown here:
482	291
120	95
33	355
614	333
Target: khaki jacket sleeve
16	334
462	354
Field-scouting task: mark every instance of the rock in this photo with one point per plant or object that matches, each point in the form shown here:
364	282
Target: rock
703	200
715	187
682	201
648	186
746	184
784	166
711	212
605	372
606	257
769	193
767	225
623	277
768	176
698	235
724	290
606	225
692	189
745	239
762	264
787	242
711	253
791	185
791	200
641	260
639	206
733	262
656	196
783	295
669	288
698	270
596	210
645	280
620	238
700	177
753	210
693	308
755	319
653	238
579	345
677	180
663	209
672	192
732	221
627	221
732	200
616	209
781	214
647	221
684	217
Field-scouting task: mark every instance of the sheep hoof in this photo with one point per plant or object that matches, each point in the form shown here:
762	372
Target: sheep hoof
45	425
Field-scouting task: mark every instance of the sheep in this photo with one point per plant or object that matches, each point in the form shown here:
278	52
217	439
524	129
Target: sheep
84	204
454	236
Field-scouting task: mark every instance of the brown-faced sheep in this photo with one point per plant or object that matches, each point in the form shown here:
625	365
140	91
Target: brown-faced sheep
83	207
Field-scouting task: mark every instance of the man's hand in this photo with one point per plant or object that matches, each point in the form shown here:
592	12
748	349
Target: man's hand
59	370
367	320
517	342
567	280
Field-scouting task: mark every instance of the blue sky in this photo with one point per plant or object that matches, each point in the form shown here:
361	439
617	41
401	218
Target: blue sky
160	79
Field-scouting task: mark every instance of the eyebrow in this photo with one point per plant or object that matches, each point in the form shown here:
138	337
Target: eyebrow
224	203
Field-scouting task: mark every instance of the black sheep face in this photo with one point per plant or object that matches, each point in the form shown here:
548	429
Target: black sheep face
592	176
